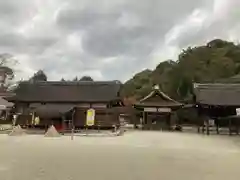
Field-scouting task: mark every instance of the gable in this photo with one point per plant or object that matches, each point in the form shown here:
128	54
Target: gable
158	98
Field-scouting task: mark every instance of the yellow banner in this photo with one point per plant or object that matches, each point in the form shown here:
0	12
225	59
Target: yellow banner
90	117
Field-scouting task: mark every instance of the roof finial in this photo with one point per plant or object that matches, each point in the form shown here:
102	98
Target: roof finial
156	87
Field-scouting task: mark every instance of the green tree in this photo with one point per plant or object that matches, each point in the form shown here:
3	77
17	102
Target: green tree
86	78
38	76
139	85
218	59
7	62
75	79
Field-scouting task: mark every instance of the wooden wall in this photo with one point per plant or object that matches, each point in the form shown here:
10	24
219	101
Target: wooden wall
104	117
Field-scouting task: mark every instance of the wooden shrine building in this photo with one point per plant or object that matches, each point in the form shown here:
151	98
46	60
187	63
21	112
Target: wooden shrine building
217	106
65	103
157	110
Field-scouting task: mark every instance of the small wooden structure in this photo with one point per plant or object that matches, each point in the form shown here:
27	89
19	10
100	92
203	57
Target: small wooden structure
217	104
157	110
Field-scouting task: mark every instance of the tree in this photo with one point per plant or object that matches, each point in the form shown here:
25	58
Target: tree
39	76
139	85
86	78
62	79
7	62
216	60
75	79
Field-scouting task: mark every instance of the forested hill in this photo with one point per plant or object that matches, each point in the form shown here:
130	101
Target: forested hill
216	60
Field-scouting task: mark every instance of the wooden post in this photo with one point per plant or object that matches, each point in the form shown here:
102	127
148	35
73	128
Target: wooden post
143	121
208	127
217	125
72	120
169	121
203	126
6	114
230	127
33	120
72	133
198	124
63	124
237	127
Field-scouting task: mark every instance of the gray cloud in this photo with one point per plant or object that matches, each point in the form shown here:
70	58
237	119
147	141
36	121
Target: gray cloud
218	24
130	28
106	39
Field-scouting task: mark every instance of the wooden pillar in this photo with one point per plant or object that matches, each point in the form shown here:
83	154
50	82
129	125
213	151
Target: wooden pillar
203	125
63	124
149	123
208	131
199	116
6	114
198	124
73	120
32	120
237	127
171	116
134	119
143	121
217	125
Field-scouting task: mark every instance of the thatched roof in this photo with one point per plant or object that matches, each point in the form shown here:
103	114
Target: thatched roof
72	92
217	94
157	98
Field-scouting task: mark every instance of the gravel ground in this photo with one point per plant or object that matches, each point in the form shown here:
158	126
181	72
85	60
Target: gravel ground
134	156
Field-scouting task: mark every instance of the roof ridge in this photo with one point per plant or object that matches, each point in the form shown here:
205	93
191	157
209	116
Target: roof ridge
73	82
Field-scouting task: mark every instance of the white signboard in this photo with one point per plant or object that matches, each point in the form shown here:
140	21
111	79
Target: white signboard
157	109
238	111
211	122
150	109
164	109
90	117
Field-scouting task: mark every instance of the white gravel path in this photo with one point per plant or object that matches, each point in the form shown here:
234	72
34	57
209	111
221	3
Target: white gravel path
134	156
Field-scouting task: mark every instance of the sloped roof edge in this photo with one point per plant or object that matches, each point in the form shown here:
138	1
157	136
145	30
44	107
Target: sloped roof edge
158	91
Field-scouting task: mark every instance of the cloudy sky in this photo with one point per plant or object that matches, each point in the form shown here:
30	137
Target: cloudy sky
108	39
